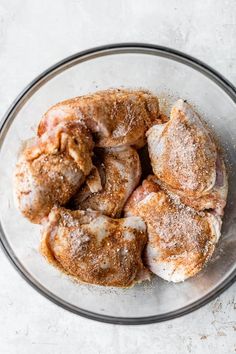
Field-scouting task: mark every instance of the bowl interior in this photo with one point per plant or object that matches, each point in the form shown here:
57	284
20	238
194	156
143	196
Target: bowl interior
169	78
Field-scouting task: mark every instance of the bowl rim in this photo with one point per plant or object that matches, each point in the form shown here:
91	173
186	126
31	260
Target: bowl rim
104	50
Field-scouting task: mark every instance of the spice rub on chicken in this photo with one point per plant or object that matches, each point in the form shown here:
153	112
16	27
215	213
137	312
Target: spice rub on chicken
87	157
115	117
51	169
180	240
117	175
186	160
94	248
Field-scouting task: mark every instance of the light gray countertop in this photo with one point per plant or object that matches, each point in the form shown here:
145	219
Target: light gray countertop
36	34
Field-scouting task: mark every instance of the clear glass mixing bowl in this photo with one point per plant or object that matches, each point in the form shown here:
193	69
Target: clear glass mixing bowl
170	75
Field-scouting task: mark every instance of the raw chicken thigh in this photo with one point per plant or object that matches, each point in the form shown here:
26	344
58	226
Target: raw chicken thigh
94	248
116	117
51	169
185	159
180	241
119	171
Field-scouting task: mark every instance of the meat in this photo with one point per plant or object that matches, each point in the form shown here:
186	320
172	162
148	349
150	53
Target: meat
180	240
116	117
85	158
185	158
95	249
51	169
120	172
181	149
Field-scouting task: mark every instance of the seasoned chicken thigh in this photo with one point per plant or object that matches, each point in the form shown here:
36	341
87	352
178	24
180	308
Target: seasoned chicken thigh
51	169
185	158
116	117
96	249
180	240
120	172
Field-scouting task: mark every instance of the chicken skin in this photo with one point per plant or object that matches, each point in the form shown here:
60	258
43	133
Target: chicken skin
216	198
185	158
120	171
51	169
180	240
115	117
95	249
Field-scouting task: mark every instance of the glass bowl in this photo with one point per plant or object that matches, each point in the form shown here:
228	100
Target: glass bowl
170	75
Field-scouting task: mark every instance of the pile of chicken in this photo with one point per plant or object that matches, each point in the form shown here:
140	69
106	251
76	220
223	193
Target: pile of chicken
78	179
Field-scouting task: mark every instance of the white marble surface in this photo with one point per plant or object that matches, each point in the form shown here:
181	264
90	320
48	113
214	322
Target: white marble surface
36	34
